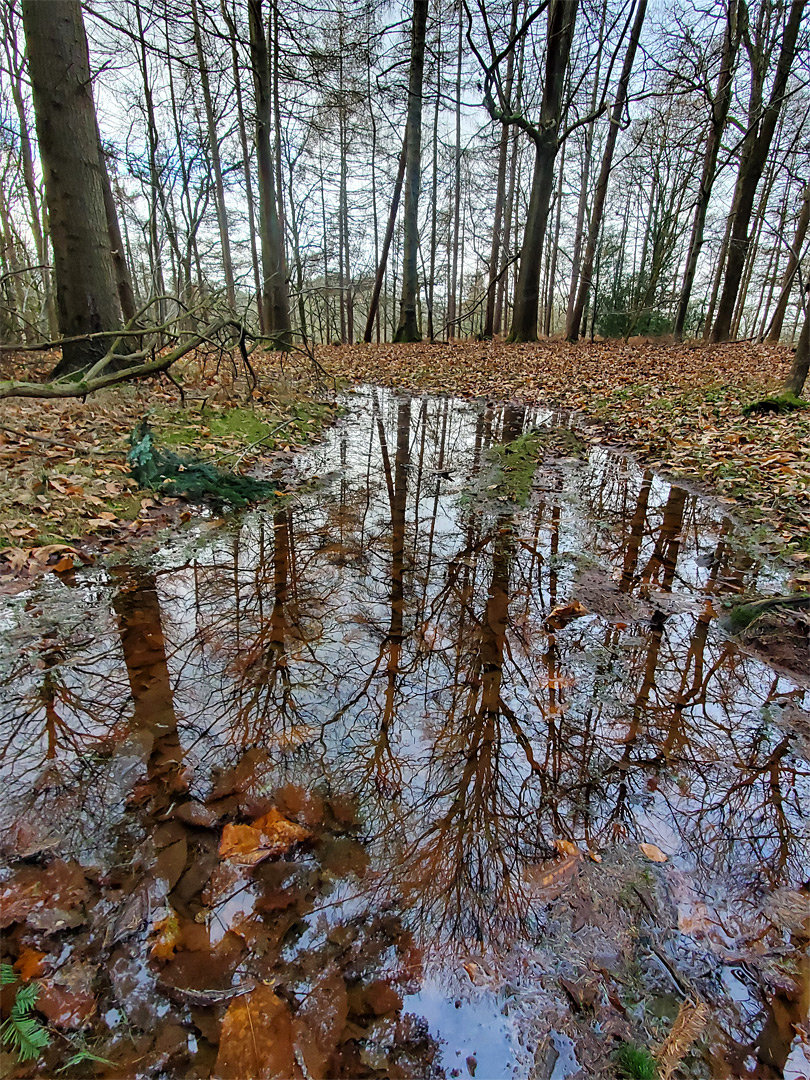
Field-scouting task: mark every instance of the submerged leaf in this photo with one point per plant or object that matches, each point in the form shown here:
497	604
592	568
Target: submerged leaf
257	1039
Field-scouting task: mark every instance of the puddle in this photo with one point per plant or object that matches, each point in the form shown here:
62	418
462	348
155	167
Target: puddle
356	787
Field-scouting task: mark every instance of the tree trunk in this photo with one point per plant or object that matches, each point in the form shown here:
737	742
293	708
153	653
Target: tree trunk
500	193
389	234
123	280
87	299
561	18
584	191
575	316
801	361
240	117
452	292
213	147
775	331
37	212
156	287
555	249
720	108
408	328
434	189
275	297
756	146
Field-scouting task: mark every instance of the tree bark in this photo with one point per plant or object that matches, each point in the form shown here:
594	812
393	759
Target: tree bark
123	280
575	316
756	145
561	18
408	328
87	299
452	292
775	331
386	247
795	381
213	147
584	191
275	296
720	108
240	116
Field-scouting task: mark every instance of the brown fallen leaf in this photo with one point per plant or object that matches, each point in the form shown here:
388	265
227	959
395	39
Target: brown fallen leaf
653	852
549	882
257	1039
560	616
268	836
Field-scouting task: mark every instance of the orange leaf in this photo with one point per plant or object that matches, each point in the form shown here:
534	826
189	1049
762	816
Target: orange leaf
270	835
29	963
652	852
241	842
167	937
279	833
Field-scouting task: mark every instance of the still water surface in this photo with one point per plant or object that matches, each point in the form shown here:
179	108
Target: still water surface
464	690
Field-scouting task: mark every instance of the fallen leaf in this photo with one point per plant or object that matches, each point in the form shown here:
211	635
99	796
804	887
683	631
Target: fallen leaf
29	964
560	616
549	882
256	1041
653	852
268	836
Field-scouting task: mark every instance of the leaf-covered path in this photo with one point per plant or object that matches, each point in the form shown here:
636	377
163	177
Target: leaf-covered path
678	407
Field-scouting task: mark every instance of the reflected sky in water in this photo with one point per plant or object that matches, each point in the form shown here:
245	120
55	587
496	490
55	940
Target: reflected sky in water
489	684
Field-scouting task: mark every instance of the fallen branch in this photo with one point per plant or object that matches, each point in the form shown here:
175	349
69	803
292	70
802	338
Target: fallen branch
89	384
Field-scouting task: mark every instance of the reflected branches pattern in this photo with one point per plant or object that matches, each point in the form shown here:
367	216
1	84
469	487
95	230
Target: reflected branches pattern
449	683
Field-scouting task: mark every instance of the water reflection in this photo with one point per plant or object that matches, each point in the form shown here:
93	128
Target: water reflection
448	691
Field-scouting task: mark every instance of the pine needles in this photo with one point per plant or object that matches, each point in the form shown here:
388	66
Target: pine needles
161	470
689	1023
22	1033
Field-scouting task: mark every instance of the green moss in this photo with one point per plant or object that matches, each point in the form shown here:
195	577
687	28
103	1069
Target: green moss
635	1062
777	403
516	463
742	616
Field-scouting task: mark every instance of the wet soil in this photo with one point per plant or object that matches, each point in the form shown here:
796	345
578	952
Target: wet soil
357	786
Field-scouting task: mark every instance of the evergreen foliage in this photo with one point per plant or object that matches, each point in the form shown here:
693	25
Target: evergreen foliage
22	1032
162	470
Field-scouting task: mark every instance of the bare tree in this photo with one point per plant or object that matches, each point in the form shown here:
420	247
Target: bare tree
761	125
408	328
275	295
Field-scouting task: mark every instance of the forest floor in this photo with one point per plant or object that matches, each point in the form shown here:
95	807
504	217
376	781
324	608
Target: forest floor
66	488
678	408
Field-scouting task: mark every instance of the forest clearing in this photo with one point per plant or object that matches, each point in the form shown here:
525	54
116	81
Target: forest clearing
404	540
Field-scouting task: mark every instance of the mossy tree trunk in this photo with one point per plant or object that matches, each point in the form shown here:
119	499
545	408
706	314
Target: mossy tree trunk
795	381
86	293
